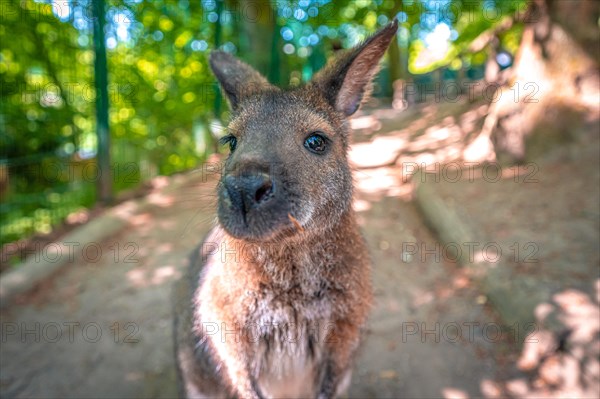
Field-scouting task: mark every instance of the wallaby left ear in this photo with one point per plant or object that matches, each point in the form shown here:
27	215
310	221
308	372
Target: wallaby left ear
238	79
346	81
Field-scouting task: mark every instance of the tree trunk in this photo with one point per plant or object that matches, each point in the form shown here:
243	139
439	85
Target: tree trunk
551	74
258	23
395	67
395	62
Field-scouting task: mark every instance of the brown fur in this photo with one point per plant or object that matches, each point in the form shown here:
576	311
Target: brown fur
279	292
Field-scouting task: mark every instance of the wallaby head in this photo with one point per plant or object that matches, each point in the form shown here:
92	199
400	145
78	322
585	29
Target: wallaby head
287	172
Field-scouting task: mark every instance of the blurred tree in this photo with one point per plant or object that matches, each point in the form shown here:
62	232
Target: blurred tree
396	70
257	20
555	68
39	78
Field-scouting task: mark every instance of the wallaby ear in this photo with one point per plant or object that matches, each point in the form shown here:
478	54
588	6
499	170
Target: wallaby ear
238	79
346	81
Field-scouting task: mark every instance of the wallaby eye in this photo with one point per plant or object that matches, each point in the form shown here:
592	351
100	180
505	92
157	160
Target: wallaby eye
316	143
231	140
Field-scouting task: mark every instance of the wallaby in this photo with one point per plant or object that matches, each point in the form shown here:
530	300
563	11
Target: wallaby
279	292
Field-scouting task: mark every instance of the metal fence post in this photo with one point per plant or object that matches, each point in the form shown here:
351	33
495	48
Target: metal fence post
104	184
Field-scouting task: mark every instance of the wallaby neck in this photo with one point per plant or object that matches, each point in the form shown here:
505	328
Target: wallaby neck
305	248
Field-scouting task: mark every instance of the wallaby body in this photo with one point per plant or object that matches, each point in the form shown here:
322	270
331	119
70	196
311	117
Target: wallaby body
279	292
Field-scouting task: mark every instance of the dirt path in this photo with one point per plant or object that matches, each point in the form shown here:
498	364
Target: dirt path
427	334
103	328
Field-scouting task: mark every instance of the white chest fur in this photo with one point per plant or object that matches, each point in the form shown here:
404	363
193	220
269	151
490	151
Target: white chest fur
289	349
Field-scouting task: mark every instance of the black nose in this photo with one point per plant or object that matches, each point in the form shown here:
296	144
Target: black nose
248	192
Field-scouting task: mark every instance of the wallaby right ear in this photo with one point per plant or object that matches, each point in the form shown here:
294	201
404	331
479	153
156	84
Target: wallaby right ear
238	79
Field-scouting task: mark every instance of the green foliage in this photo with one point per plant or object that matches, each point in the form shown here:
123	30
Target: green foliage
468	22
